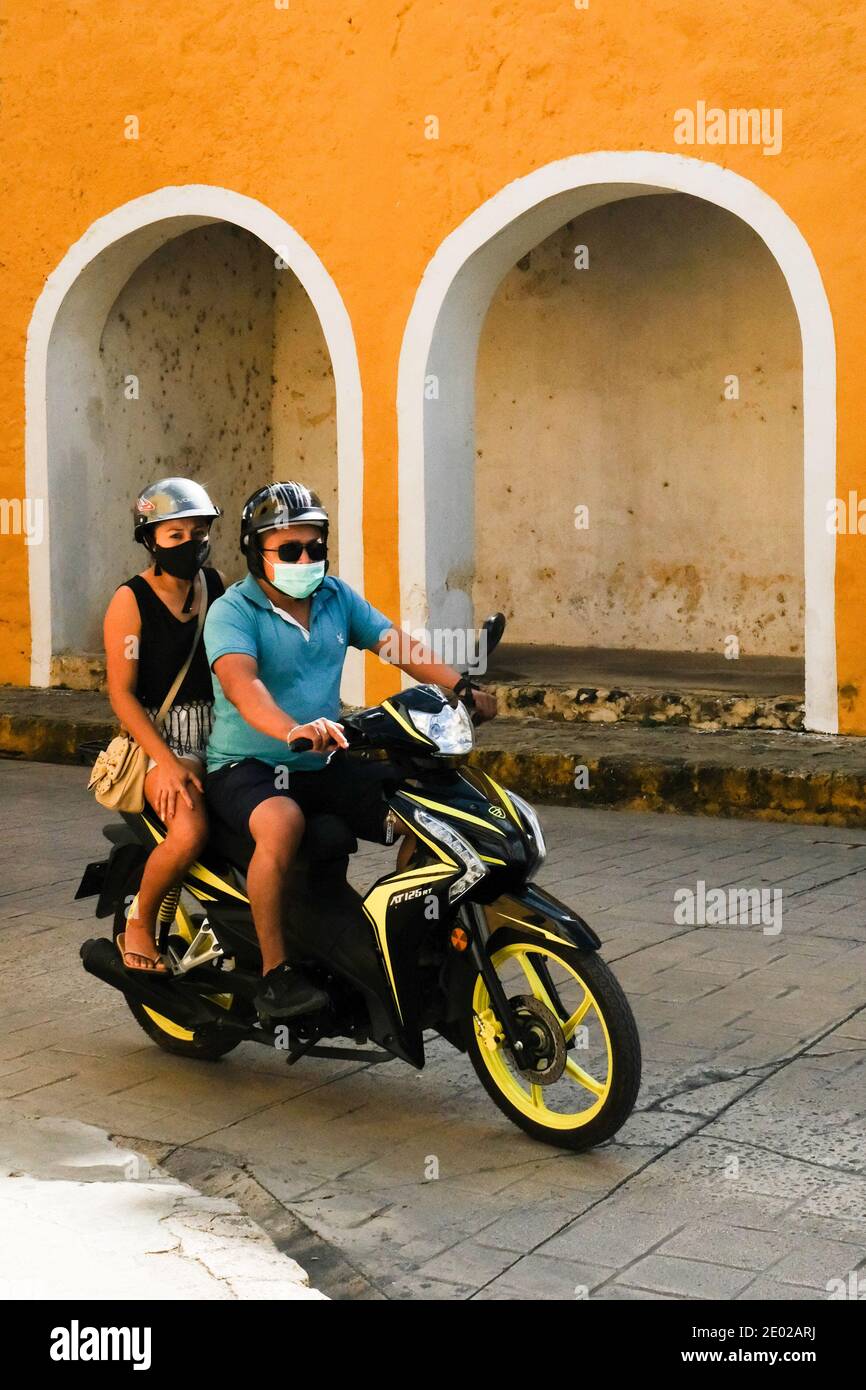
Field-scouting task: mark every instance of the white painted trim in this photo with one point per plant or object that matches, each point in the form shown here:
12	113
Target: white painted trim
474	258
154	217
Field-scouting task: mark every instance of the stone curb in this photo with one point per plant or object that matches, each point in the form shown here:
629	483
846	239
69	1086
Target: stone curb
764	775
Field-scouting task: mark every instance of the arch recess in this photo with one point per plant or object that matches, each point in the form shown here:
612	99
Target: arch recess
63	339
436	436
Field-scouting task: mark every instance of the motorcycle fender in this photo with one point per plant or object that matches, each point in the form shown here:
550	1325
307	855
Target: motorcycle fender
532	913
529	915
120	864
92	879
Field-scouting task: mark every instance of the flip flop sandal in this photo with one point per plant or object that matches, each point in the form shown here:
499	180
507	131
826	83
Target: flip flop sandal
157	966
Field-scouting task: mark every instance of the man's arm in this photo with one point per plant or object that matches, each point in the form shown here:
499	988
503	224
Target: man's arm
238	674
422	664
400	649
371	630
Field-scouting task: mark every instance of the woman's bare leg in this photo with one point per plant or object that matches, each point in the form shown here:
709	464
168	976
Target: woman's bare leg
166	865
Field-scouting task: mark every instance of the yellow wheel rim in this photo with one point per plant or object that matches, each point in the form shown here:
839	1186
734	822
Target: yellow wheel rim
582	1090
183	927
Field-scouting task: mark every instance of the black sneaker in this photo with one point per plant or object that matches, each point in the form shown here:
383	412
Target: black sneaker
286	992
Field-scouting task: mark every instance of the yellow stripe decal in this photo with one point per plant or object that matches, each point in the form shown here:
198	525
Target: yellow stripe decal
437	849
199	871
376	906
409	727
504	798
530	926
452	811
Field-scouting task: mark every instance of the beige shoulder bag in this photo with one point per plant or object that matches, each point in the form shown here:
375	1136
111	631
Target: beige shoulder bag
117	777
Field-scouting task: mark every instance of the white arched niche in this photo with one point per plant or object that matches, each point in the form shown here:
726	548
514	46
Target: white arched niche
436	436
62	371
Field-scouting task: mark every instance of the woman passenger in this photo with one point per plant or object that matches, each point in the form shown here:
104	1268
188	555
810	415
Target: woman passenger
150	625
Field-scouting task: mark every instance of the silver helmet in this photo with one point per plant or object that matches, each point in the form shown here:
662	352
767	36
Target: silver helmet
170	498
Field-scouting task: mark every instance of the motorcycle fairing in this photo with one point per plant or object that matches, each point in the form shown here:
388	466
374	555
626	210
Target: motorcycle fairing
475	811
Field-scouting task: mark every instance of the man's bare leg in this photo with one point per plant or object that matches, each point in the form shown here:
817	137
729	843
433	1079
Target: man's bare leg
277	826
406	850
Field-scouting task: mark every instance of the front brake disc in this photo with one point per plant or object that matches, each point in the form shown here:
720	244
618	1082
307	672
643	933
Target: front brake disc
543	1038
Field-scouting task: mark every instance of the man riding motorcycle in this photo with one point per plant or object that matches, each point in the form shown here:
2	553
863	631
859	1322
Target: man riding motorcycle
276	643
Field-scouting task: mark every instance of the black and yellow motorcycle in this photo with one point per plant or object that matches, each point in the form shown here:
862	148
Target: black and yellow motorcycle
461	941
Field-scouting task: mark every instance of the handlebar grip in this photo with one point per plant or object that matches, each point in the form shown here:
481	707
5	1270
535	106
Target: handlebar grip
301	745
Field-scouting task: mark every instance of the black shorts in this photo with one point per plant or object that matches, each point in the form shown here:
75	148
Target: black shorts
345	786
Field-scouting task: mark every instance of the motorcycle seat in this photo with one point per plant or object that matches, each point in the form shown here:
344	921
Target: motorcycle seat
326	836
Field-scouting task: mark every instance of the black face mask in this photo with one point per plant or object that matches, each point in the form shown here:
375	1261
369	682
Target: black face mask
181	561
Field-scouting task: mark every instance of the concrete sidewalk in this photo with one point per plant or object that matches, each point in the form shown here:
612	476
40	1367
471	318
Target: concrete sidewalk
765	774
82	1217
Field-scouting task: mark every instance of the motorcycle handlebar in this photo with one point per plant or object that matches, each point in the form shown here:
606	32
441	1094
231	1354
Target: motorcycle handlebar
303	745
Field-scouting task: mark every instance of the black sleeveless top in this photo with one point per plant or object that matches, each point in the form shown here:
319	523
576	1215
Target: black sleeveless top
164	646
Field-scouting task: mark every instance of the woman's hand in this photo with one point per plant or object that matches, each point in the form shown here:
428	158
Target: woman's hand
173	779
324	734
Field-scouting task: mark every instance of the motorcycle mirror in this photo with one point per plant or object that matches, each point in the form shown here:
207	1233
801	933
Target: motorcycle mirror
494	626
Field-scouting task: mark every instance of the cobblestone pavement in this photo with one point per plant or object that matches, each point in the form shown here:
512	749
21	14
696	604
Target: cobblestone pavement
741	1174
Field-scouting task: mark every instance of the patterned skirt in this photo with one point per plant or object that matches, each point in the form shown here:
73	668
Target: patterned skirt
187	727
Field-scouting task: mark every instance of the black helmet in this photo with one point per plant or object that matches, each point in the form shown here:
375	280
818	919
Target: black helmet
278	504
170	497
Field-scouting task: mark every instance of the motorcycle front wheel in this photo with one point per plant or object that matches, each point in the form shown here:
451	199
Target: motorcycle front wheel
579	1036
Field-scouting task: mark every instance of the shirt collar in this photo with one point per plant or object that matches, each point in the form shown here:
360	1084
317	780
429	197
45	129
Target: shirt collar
250	589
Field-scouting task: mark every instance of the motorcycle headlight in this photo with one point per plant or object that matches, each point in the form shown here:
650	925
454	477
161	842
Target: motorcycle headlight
473	869
450	728
532	825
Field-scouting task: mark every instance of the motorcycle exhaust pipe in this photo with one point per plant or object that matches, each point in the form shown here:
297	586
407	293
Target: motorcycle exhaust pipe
100	957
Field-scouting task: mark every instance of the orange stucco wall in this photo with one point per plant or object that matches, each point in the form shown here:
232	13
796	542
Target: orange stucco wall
318	111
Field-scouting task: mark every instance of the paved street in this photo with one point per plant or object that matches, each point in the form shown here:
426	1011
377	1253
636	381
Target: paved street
741	1174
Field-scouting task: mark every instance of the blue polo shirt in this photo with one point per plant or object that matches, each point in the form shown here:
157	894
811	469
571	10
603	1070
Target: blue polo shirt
302	675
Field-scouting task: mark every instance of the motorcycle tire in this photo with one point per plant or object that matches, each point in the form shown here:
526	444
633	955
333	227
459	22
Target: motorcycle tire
603	1093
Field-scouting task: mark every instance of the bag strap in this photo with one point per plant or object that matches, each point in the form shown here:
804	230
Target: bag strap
179	678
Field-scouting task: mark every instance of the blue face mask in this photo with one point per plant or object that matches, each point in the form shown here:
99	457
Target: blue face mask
298	581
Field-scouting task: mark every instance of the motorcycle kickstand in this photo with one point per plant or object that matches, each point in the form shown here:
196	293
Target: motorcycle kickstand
300	1050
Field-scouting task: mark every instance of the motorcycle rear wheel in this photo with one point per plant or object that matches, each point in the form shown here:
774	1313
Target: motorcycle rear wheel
571	1007
167	1034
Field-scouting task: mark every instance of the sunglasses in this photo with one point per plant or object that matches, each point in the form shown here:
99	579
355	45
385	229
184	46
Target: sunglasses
291	551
